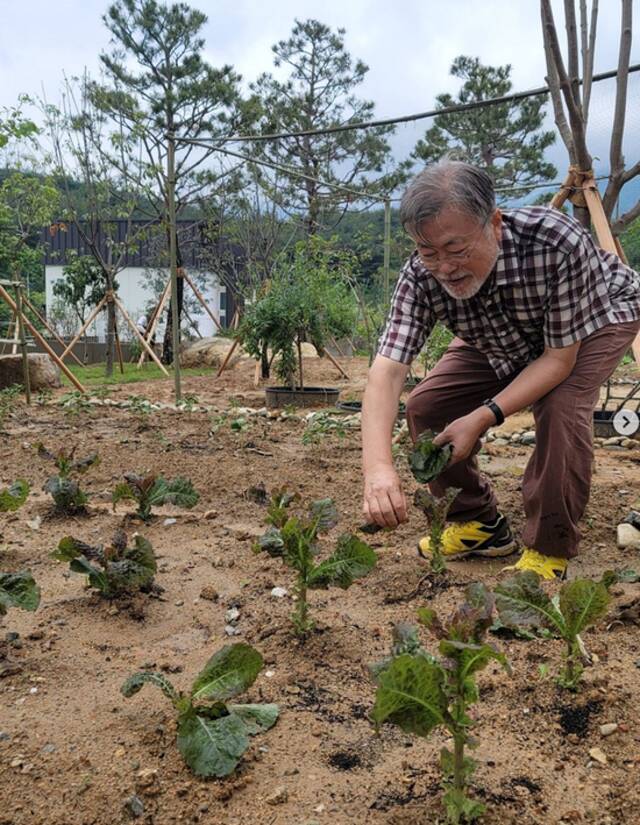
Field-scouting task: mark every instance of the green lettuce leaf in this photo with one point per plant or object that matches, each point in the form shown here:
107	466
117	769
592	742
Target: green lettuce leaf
351	560
228	672
257	718
521	602
212	747
14	496
427	461
18	590
134	683
582	602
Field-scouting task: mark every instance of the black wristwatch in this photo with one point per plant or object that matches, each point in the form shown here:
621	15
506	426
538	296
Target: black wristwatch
495	409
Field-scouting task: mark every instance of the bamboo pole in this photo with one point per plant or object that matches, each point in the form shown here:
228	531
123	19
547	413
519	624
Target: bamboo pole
118	346
84	327
227	357
10	325
50	329
173	263
336	364
45	346
139	335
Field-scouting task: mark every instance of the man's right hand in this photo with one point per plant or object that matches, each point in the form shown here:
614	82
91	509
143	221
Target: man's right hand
384	502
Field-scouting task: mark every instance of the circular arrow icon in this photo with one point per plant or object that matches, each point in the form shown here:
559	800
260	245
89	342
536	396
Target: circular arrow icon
626	422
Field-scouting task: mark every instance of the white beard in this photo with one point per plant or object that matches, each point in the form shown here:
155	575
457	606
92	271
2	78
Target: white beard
468	287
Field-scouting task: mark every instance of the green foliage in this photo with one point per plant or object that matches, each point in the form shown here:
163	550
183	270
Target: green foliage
114	570
212	735
293	538
8	399
318	92
420	692
426	460
83	283
307	299
63	488
630	240
522	603
505	139
75	402
14	496
154	491
320	425
18	590
435	346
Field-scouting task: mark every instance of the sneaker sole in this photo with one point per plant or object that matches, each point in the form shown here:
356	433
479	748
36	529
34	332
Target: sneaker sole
486	552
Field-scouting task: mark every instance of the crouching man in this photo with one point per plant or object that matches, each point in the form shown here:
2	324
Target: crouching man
541	316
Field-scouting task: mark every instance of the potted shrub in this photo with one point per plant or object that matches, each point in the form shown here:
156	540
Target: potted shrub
306	300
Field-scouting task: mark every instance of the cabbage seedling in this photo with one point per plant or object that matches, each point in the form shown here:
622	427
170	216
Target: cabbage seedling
18	590
420	692
294	539
426	460
113	570
151	490
65	491
14	496
435	509
213	735
522	603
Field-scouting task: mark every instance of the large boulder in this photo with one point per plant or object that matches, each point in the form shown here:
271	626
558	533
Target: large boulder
43	372
209	352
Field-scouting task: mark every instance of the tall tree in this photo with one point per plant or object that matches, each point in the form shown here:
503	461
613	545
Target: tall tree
571	97
506	139
319	93
159	95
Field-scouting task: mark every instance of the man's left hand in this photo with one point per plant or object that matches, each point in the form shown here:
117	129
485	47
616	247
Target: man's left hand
463	434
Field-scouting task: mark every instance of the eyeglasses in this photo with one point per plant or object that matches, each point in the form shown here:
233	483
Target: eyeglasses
455	257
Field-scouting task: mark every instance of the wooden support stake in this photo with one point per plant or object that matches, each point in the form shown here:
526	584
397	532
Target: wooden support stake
50	329
200	297
560	197
8	339
227	358
118	346
139	335
155	319
45	346
84	327
336	364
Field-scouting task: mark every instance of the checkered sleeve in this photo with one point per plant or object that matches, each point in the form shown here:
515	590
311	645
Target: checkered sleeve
410	319
577	299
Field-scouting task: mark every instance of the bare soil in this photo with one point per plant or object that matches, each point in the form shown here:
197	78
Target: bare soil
71	747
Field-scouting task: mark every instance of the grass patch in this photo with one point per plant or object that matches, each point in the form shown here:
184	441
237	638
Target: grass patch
93	374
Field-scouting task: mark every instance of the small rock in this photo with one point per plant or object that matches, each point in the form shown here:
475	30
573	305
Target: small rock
628	537
134	806
613	441
529	438
35	523
319	808
119	753
209	593
179	602
608	729
271	673
279	795
598	755
210	514
147	781
501	442
17	762
4	736
230	630
232	615
279	592
169	521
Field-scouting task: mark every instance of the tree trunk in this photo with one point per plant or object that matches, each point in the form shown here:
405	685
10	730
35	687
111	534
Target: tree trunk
111	328
167	344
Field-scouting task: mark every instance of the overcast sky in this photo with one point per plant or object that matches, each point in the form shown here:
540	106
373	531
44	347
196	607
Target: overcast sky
408	46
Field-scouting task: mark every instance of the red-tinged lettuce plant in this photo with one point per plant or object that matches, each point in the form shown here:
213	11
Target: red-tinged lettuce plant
435	509
294	539
114	570
14	496
65	491
426	460
419	691
521	602
213	735
154	491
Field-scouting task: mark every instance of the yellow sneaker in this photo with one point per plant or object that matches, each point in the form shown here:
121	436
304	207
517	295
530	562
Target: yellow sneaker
474	538
547	567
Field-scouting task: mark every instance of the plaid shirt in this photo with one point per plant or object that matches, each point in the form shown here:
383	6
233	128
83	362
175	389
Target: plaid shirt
551	286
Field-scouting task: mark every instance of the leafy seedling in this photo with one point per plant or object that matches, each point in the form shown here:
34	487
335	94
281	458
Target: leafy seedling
140	407
75	402
8	399
213	735
294	539
14	496
154	491
435	509
320	425
522	603
64	489
426	460
114	570
16	590
420	692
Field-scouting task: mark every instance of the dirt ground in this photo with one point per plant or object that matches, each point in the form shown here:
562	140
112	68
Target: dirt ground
71	747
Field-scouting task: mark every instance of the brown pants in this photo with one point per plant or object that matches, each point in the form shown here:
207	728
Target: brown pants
557	479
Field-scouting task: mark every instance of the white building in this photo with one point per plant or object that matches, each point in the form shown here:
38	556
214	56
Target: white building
142	274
